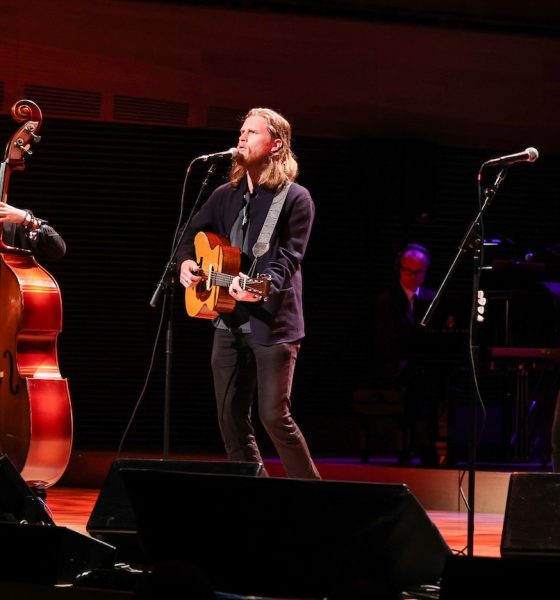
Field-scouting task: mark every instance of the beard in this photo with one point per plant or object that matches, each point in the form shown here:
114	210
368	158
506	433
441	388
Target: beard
248	160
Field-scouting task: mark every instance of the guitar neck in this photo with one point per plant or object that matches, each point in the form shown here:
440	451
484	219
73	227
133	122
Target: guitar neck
224	279
218	278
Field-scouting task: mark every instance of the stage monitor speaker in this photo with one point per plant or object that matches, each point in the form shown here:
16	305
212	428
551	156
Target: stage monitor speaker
18	502
282	536
34	549
490	578
112	519
49	554
532	516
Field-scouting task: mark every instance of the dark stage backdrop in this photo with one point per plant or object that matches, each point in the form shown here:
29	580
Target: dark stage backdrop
114	193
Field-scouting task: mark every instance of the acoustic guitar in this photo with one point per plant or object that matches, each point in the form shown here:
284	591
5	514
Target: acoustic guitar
219	264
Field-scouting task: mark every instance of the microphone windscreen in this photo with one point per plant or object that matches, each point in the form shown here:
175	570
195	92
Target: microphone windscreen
533	154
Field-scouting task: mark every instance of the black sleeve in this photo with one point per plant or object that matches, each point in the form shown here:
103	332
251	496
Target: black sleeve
45	242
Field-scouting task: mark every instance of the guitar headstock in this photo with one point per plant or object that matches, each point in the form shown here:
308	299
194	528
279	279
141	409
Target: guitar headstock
257	285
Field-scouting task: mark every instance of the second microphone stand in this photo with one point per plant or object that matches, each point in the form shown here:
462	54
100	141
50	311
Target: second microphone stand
472	242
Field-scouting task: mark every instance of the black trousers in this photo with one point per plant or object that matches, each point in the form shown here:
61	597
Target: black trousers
242	368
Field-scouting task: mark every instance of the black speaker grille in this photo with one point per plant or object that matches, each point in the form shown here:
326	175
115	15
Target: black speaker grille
532	517
334	534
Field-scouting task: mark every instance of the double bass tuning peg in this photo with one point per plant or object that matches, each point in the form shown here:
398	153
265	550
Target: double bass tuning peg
29	128
23	146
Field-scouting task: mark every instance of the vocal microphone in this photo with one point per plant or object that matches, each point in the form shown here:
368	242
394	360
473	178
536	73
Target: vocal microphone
231	153
528	155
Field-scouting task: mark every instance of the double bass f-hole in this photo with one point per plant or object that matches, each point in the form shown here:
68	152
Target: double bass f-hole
14	389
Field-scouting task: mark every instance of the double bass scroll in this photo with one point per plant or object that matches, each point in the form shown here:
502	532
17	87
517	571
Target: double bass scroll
35	410
28	113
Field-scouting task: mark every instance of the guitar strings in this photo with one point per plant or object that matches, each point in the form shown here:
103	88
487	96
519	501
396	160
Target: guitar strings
224	280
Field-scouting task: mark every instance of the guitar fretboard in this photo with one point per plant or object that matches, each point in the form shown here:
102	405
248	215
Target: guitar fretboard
221	279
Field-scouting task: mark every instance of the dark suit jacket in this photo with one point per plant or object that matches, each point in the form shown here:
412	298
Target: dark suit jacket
396	333
281	318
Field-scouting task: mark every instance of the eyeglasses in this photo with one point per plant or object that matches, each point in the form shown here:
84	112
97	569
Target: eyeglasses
415	273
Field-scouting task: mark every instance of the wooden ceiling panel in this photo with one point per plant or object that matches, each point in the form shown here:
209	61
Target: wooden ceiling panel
342	77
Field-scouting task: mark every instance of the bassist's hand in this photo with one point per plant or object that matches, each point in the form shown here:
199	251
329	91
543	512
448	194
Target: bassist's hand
188	276
11	214
236	290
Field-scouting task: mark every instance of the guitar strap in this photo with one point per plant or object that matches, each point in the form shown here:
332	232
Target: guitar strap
262	245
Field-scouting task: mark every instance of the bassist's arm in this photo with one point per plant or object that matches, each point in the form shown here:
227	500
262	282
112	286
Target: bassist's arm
28	232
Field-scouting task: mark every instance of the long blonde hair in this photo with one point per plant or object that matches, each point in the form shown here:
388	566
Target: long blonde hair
283	165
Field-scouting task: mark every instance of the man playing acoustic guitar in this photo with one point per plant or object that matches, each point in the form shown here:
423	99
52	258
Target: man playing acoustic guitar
258	333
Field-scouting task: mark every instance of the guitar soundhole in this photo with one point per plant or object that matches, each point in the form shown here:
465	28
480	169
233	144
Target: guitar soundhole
201	292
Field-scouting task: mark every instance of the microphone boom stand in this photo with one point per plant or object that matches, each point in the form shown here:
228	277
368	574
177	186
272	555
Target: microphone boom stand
471	241
167	285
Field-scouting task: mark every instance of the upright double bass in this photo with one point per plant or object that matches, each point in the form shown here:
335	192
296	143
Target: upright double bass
35	409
